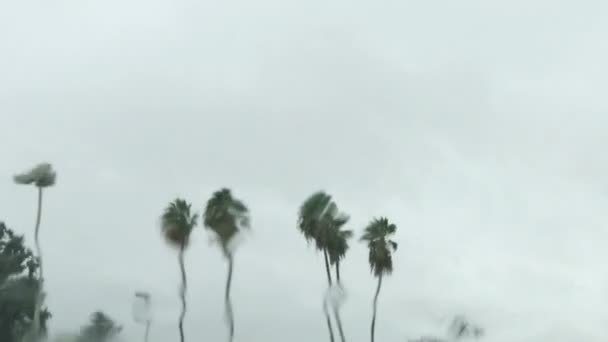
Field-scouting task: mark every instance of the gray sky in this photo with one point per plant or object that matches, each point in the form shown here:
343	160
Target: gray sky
477	126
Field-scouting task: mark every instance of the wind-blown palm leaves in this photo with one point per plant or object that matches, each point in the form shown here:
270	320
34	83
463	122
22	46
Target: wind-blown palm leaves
337	244
321	221
380	255
177	223
41	176
226	216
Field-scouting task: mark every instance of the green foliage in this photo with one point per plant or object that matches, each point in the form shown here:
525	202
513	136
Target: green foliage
380	247
100	329
42	175
337	244
18	287
225	216
320	221
177	223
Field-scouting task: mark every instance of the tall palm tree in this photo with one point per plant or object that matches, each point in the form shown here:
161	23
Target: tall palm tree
226	216
42	176
336	248
316	221
177	223
380	255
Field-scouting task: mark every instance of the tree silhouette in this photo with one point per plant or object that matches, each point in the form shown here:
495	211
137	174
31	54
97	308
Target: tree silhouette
100	329
41	176
177	223
337	246
226	216
380	255
19	286
320	222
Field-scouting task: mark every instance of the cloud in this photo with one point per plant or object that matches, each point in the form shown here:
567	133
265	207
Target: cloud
477	127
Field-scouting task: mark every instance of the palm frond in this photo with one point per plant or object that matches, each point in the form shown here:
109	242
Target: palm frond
380	247
311	211
226	215
177	222
42	175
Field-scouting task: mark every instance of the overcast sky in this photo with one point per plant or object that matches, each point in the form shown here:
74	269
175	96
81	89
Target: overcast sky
477	126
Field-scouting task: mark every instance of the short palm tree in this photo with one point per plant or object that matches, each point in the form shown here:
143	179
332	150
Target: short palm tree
317	220
177	223
42	176
381	250
226	216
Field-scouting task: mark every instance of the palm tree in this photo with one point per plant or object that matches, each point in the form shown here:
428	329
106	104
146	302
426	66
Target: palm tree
380	254
42	176
226	216
177	223
336	248
317	221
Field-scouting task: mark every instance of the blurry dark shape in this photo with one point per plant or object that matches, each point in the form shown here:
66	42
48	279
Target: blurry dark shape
177	223
380	255
141	311
461	327
19	286
100	329
320	221
42	176
336	245
226	216
428	339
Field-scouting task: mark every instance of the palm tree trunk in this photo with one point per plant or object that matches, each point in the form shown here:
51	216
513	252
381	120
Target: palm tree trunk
147	331
338	271
336	311
375	306
339	322
182	293
38	301
329	327
227	301
327	267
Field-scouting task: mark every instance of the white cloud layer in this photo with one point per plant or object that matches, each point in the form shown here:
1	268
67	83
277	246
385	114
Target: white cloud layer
477	126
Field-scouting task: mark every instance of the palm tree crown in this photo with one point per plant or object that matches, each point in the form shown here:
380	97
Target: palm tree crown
42	176
177	222
380	247
320	220
225	215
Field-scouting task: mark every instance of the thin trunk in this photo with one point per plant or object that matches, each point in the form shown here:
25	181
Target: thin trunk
182	293
147	331
375	306
339	322
38	301
338	271
227	301
336	310
329	327
327	267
